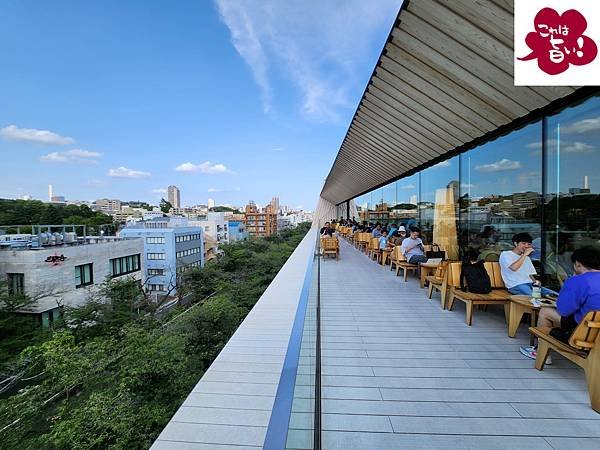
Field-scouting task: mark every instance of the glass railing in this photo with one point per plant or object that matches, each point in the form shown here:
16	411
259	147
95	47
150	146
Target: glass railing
298	401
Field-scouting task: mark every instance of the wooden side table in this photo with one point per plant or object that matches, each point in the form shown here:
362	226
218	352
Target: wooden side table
519	305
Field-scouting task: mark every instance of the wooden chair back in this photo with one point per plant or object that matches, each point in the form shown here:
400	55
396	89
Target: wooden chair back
586	334
374	243
329	243
492	268
441	270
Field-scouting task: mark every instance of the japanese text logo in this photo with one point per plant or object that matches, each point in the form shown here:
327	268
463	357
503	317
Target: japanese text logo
564	46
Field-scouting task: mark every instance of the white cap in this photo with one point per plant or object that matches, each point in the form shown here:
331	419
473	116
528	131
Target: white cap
401	228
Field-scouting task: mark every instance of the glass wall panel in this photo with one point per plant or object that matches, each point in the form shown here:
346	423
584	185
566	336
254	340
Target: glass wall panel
406	212
572	213
364	204
438	205
500	193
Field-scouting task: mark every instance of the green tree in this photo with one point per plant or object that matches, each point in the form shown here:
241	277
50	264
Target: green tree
165	206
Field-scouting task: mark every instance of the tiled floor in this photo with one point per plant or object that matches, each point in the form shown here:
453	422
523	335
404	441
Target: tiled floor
399	372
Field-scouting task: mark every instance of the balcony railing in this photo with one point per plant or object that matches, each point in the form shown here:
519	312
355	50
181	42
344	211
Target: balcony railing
250	393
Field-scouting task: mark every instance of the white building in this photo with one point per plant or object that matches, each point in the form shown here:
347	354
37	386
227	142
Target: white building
215	225
211	203
150	215
68	274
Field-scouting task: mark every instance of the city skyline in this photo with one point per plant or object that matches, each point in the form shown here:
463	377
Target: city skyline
203	100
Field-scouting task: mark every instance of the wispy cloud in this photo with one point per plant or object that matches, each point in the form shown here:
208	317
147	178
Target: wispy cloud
14	133
124	172
75	156
408	186
565	146
309	43
583	126
212	189
446	163
278	149
205	167
97	183
578	147
499	166
159	191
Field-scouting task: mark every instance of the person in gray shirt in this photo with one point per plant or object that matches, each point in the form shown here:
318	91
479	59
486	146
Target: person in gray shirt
412	247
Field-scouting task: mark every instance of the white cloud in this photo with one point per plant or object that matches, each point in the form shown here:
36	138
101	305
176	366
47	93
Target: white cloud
308	42
499	166
578	147
75	156
235	189
97	183
159	191
14	133
408	186
566	146
583	126
205	167
124	172
278	149
467	186
446	163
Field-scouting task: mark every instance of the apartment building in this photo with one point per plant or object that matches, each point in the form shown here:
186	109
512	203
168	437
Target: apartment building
171	247
260	223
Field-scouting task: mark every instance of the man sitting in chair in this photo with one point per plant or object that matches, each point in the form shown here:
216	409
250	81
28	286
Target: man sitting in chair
412	247
326	230
579	295
517	269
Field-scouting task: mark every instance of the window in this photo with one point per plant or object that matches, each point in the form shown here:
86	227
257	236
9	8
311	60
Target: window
84	275
124	265
154	256
16	283
156	287
572	194
500	192
152	272
155	240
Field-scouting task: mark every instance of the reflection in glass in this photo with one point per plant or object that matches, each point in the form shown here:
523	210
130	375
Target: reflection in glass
572	202
438	205
405	211
500	193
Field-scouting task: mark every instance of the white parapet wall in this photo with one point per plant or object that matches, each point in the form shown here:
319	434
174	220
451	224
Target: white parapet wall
231	405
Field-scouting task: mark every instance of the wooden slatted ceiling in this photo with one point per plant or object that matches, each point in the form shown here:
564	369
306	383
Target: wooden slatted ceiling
444	80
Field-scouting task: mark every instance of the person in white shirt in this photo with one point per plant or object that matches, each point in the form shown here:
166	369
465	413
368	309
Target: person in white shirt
517	269
412	247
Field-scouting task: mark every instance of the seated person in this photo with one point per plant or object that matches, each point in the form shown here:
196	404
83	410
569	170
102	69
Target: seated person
517	269
376	231
412	247
579	295
401	233
326	230
392	230
383	241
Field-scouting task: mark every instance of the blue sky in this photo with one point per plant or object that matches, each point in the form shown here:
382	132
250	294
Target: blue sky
233	100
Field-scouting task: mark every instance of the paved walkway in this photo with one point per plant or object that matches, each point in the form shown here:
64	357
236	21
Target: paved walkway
398	372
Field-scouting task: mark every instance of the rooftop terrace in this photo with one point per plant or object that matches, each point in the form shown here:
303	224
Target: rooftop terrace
397	372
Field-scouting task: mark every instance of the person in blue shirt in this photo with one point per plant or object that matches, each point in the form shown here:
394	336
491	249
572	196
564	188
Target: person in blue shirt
383	242
376	231
579	295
